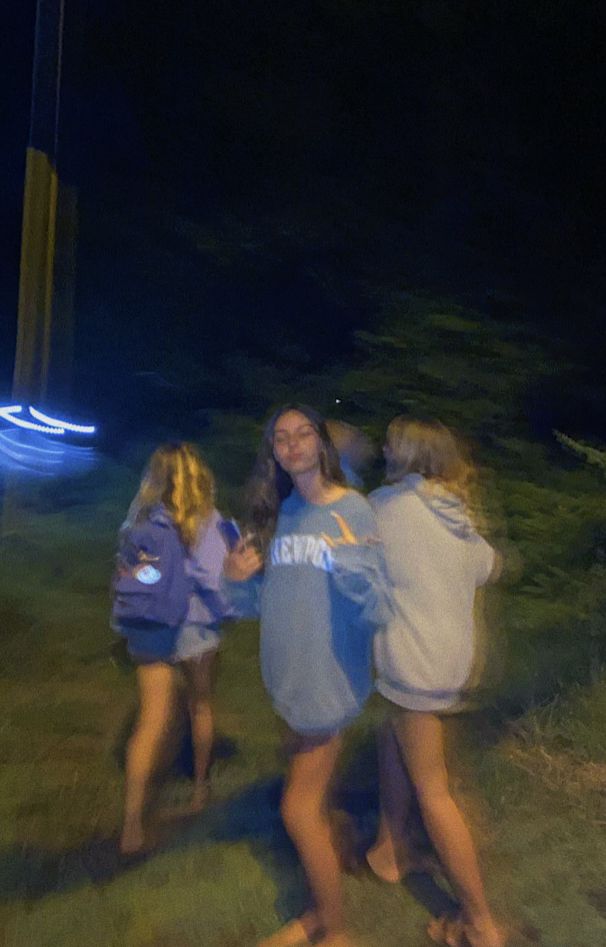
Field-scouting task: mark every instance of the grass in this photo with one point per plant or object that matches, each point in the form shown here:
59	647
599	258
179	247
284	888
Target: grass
533	788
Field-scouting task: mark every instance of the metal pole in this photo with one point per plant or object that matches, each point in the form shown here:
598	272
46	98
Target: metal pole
38	236
36	278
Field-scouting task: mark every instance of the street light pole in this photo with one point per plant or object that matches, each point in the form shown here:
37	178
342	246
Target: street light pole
47	245
41	210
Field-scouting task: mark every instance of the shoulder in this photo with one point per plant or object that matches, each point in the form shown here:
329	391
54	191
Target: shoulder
213	521
380	496
209	534
355	508
353	500
211	526
401	493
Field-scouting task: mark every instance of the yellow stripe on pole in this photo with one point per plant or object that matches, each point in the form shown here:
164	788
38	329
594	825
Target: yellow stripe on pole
49	283
35	281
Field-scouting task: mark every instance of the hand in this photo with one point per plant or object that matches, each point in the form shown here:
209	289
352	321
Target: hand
242	562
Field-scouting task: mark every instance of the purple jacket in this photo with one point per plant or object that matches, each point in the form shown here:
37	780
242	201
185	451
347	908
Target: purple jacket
205	565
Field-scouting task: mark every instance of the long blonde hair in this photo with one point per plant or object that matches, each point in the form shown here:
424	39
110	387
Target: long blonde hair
429	448
177	477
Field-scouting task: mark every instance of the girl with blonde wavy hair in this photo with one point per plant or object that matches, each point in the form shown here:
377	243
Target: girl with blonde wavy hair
179	487
436	560
430	449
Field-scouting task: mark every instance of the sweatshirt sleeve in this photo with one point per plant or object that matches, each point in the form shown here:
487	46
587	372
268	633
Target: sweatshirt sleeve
205	566
243	598
484	559
206	561
359	574
359	570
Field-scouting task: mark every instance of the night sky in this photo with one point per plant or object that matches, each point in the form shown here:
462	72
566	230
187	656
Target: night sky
460	144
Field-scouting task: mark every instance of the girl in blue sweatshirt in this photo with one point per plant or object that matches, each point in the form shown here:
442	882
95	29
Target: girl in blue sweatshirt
321	596
177	486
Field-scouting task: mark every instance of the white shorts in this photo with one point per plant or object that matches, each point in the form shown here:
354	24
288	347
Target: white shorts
194	641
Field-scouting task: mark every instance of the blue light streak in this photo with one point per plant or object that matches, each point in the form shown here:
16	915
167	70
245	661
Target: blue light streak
37	448
65	425
9	413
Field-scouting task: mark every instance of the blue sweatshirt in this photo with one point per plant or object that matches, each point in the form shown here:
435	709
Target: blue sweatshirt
319	607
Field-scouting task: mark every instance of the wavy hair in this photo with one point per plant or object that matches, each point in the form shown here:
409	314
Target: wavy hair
269	484
429	448
177	477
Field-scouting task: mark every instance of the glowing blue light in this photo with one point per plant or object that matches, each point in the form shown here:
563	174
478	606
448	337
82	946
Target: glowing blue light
31	454
7	436
9	413
45	425
64	425
41	464
26	449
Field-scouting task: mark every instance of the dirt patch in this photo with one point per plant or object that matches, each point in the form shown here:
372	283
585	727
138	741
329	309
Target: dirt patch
562	772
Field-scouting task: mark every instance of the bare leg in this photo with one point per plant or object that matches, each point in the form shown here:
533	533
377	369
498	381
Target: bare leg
156	694
421	739
305	813
388	857
198	680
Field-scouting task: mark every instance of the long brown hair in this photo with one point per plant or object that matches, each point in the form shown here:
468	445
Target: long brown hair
269	484
177	477
429	448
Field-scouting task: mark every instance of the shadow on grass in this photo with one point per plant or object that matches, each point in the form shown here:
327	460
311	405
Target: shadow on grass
29	873
181	759
251	816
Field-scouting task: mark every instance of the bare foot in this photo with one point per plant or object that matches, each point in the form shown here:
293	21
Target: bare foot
132	839
303	930
484	935
446	930
454	932
391	867
385	864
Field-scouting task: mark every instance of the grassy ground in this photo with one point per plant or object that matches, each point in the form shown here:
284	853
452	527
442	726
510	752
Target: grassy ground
534	790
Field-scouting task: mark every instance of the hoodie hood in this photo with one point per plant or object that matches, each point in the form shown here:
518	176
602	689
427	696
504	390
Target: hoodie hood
159	514
445	505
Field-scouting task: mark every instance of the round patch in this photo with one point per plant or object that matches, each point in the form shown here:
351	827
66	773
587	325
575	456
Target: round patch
147	574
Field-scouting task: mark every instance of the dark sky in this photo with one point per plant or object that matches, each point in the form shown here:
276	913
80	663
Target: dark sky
471	121
425	93
222	93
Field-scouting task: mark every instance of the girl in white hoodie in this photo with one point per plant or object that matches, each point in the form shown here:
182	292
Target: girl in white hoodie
435	561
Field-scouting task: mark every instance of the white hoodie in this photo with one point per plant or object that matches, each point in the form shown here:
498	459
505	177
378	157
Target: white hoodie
435	561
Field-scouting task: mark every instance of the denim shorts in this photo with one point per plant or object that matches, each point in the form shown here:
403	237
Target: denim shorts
149	646
169	645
